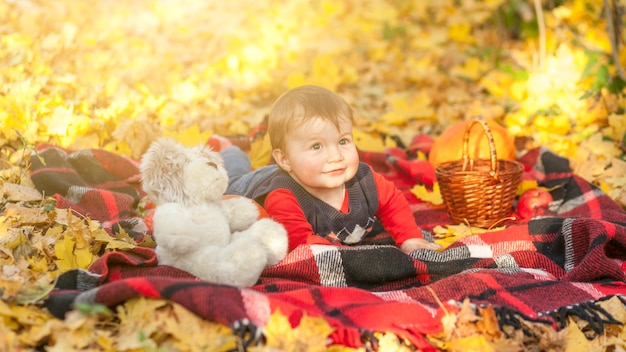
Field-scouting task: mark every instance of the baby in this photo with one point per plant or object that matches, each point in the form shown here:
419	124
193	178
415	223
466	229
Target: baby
318	189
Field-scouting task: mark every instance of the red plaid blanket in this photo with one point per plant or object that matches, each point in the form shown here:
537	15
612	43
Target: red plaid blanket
555	265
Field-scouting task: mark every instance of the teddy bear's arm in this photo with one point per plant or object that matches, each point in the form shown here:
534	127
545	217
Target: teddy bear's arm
181	228
270	235
241	212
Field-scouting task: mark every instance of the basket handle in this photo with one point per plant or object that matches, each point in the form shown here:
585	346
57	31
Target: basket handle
492	146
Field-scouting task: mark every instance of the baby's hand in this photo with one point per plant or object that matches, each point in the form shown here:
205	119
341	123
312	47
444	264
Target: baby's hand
418	243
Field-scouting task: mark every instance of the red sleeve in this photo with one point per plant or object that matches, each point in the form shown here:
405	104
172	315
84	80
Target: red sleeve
283	207
394	211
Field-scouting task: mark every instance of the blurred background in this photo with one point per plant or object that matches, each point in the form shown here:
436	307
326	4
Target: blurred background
119	74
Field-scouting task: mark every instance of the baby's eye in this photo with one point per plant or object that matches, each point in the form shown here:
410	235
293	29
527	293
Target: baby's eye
316	146
212	164
344	141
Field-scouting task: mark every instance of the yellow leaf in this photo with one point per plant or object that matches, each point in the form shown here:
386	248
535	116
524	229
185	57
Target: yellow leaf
525	185
314	331
576	339
474	343
138	320
84	257
617	182
260	152
277	328
605	187
388	342
461	230
122	241
472	69
63	250
310	335
70	256
421	67
433	197
237	127
559	124
519	91
137	134
192	333
33	293
77	332
394	118
367	141
17	240
598	146
404	107
617	126
488	324
615	307
497	83
461	33
189	137
446	235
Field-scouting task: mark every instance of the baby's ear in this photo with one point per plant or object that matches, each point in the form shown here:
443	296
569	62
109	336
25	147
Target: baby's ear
162	170
281	159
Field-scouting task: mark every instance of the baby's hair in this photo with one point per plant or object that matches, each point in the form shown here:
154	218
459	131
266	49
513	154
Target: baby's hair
299	104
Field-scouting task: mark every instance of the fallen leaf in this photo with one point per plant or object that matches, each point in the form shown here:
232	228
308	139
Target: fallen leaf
70	256
576	339
190	137
309	335
434	196
446	235
525	185
16	193
474	343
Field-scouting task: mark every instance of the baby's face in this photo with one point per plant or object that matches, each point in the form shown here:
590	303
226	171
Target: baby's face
319	155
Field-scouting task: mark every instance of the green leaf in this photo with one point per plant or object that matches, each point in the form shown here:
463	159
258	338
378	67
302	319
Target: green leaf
518	74
92	309
592	61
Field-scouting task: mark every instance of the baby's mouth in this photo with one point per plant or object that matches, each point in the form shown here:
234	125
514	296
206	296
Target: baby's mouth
336	171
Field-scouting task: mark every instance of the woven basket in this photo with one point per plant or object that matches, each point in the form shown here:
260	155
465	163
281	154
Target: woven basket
479	192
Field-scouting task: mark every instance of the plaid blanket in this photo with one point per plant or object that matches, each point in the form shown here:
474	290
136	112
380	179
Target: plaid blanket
94	183
557	264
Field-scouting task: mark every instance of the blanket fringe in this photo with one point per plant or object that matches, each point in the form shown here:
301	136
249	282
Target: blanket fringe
247	335
369	341
592	312
510	317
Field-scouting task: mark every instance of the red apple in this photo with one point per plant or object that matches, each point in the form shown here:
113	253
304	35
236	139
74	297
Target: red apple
533	201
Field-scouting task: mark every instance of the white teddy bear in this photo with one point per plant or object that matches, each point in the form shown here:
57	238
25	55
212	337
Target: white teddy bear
196	228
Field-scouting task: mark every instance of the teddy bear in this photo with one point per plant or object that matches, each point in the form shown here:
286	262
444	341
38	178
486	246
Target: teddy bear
196	227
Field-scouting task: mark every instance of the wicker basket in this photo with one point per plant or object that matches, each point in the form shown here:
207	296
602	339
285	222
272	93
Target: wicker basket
479	192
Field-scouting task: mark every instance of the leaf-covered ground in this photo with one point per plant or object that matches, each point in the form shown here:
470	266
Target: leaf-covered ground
119	74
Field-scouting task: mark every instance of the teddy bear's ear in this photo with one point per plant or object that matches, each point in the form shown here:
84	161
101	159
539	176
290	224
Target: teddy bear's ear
210	154
162	170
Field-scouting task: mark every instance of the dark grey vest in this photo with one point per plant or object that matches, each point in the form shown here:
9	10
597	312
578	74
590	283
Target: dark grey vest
327	222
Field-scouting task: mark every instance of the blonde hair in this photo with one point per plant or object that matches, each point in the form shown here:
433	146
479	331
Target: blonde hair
298	105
